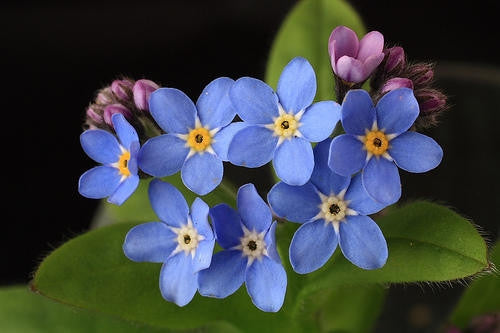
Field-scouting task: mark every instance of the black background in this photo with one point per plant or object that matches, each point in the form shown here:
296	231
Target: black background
55	56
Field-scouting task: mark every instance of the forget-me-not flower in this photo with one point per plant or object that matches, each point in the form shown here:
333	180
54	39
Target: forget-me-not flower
182	241
248	239
117	178
333	211
196	141
281	124
377	141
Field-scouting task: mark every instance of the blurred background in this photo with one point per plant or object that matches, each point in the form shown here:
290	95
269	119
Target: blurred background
57	54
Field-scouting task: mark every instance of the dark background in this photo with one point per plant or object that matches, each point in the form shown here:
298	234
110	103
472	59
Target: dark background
55	56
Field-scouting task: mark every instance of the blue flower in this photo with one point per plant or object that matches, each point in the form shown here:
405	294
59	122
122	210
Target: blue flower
117	178
183	242
197	138
282	124
333	211
249	255
377	141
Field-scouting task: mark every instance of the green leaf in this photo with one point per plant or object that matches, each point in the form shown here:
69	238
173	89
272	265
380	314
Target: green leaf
138	209
26	312
91	272
427	243
305	33
482	296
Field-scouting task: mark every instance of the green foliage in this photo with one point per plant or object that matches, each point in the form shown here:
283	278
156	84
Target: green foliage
305	33
481	297
26	312
427	242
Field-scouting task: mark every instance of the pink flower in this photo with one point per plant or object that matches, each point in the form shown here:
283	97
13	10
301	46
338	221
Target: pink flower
353	60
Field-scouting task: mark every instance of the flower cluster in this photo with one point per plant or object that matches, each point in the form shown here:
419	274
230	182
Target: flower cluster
330	189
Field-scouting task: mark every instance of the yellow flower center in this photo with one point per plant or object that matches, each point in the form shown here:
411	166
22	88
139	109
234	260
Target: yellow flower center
376	142
122	164
199	139
285	125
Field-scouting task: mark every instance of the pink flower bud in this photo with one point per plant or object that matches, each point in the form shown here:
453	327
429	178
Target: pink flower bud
430	100
104	97
122	88
421	74
94	116
395	58
353	60
110	110
142	90
395	83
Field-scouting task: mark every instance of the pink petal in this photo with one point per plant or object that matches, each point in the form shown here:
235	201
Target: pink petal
342	42
371	44
350	69
372	62
397	82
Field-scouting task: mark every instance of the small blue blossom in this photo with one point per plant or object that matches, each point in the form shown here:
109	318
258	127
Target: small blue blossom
182	241
249	255
117	178
377	141
333	211
281	124
197	137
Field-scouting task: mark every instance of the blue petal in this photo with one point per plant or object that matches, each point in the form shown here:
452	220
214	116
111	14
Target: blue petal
254	212
347	155
255	102
223	138
132	162
415	152
358	112
227	225
381	180
294	203
168	203
124	190
294	161
252	147
362	242
163	155
270	240
327	181
214	106
266	284
99	182
297	85
312	245
101	146
203	255
126	132
201	173
151	242
178	281
224	276
397	111
360	200
319	120
199	215
173	110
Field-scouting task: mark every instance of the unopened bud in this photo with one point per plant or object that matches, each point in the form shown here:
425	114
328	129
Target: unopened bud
104	97
421	74
110	110
122	89
142	90
396	83
94	116
395	58
430	100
